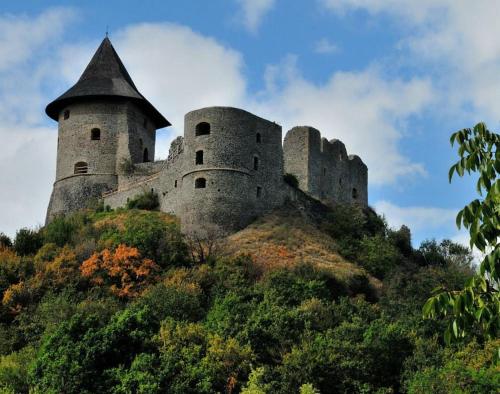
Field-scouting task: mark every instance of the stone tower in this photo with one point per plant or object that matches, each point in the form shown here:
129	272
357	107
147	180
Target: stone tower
103	121
233	169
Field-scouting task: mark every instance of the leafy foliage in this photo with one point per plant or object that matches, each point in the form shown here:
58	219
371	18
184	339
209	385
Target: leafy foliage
147	200
27	242
5	241
477	305
112	302
123	270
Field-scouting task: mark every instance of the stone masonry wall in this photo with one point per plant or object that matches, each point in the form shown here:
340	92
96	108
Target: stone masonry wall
324	169
243	167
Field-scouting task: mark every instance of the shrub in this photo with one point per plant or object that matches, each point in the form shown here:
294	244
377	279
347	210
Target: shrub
59	231
14	370
27	242
127	166
291	180
147	200
155	238
47	252
5	241
123	270
378	255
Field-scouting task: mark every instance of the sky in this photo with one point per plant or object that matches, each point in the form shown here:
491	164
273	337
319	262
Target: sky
392	79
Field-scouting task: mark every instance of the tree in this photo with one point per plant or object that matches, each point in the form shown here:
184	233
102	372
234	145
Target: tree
124	270
477	305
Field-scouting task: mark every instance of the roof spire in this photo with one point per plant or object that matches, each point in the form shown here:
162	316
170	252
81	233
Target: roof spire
107	28
105	76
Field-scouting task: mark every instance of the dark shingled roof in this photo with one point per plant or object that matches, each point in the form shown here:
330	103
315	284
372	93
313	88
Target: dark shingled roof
105	76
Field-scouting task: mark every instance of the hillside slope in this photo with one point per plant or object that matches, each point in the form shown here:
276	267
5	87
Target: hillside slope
288	237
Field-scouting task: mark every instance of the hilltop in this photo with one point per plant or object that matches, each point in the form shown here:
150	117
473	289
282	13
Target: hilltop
301	300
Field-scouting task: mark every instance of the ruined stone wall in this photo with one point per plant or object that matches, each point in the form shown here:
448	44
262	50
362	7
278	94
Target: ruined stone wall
324	169
243	165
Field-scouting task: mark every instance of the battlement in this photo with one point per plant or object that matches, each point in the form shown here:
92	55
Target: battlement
323	168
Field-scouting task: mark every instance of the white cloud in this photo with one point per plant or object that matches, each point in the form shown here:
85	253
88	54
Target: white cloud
415	217
254	11
324	46
363	109
457	38
27	158
179	70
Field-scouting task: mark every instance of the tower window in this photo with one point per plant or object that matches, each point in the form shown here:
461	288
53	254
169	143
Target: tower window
200	183
354	193
255	163
340	181
140	142
259	191
175	183
95	134
145	155
66	114
258	138
324	171
81	168
199	157
202	128
145	123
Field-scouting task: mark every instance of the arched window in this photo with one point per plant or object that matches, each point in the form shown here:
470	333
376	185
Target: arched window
255	163
199	157
200	183
95	134
258	138
202	128
66	114
145	155
81	168
354	193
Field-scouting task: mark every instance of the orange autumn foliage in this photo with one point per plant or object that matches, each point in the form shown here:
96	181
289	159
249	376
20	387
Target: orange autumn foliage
123	269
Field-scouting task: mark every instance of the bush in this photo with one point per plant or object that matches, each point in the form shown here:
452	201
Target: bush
470	370
27	242
127	166
291	180
5	241
148	201
59	231
156	238
14	370
378	255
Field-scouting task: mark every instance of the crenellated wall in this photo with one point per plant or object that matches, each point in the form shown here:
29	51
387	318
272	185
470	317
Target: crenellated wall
323	168
243	164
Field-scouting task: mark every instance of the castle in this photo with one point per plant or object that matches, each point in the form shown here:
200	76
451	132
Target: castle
227	169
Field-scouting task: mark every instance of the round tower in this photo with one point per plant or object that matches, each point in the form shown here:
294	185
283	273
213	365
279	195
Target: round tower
233	169
103	121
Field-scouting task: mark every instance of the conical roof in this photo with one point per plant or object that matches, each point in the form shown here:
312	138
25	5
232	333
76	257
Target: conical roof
105	76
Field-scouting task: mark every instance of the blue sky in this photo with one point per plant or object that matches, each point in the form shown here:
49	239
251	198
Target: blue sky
392	79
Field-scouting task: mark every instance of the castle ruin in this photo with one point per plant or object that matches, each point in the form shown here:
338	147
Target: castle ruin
225	171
